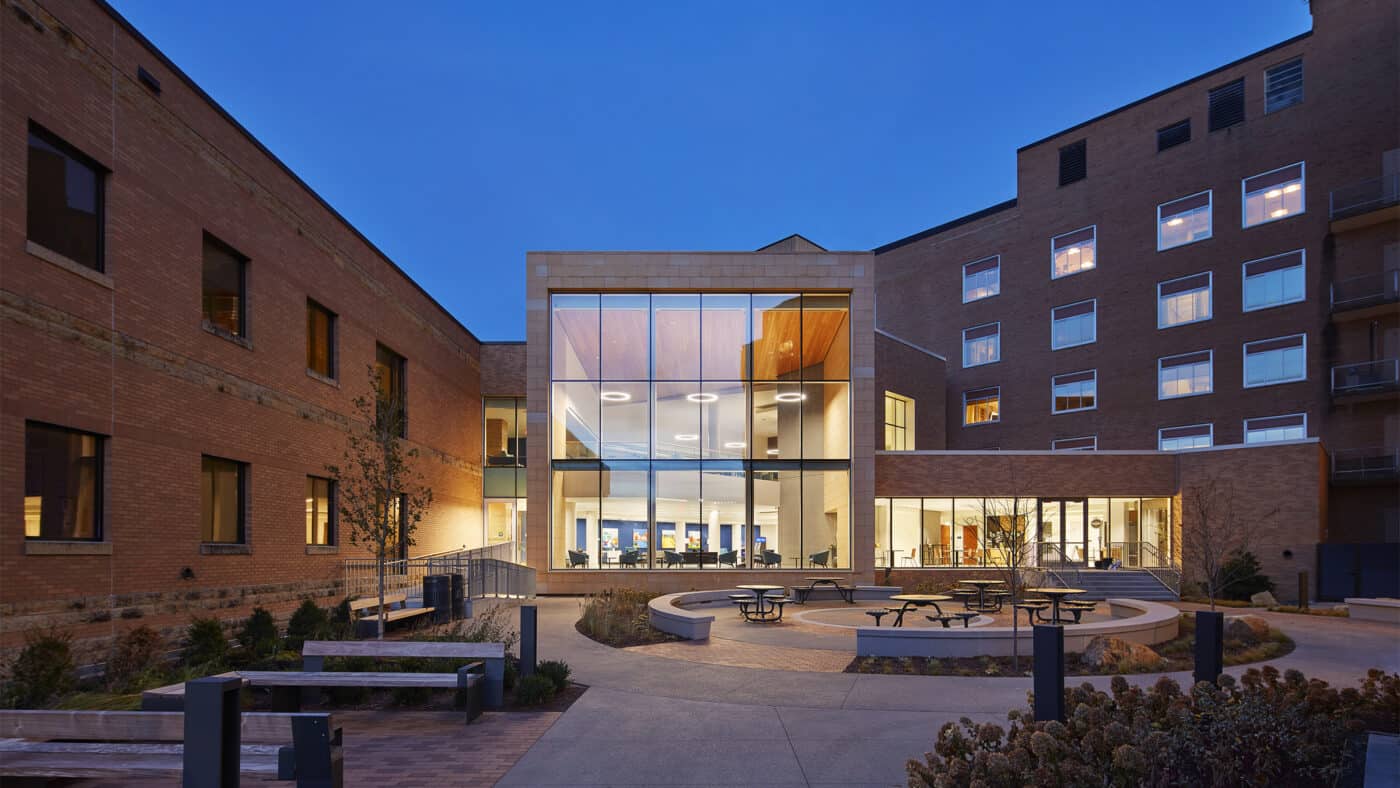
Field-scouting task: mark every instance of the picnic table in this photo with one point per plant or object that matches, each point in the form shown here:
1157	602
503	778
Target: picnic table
913	601
772	612
800	593
1055	593
981	585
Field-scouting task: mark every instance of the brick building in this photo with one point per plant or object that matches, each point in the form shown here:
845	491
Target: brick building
1202	284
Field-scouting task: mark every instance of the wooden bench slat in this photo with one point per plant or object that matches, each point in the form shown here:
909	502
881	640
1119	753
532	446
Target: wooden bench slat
283	678
373	601
402	613
127	765
402	648
150	726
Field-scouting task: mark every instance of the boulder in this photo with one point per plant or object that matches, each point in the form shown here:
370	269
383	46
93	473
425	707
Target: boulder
1247	629
1110	653
1263	599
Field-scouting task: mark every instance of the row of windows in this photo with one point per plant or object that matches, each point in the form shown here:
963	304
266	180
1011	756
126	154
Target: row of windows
1267	362
1263	429
1267	197
65	216
64	477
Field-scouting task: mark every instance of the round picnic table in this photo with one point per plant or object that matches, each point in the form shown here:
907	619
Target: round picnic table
981	584
912	601
760	591
1056	594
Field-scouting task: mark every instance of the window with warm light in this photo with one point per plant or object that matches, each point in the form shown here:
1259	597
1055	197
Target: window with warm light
1184	221
1186	375
1272	429
982	345
1270	196
62	483
1195	436
982	279
1074	324
1074	391
700	430
899	422
225	288
320	340
320	511
222	488
1271	361
1073	252
1184	300
1275	281
982	406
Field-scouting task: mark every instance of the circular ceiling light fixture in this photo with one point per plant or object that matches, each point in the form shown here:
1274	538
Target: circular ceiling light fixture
702	396
615	396
687	436
790	396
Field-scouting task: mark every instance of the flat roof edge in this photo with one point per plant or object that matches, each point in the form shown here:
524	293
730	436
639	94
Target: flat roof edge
946	226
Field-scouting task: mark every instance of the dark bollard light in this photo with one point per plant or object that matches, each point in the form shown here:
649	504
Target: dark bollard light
1210	646
529	619
1048	642
213	732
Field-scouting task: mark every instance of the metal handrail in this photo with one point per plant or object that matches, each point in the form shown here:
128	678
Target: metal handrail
1365	196
1161	570
1376	462
482	568
1380	373
1367	290
1064	564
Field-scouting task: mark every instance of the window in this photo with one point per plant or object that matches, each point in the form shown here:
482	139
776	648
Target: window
1184	221
982	406
1073	252
1283	85
1271	361
1073	162
1186	375
1274	195
320	340
982	345
1074	391
65	200
225	287
1074	324
320	511
1178	133
1227	105
1085	443
1271	429
221	492
389	371
505	431
899	422
1275	281
982	279
62	483
1184	300
1196	436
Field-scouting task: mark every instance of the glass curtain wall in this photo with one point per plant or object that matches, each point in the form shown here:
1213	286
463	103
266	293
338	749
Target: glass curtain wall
503	478
700	430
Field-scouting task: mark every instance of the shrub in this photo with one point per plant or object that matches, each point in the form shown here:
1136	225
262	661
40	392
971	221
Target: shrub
491	625
1244	577
207	648
43	671
258	635
1264	729
618	617
557	670
137	656
534	690
308	622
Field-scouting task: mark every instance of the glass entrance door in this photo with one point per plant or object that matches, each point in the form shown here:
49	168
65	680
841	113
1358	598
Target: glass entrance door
1063	531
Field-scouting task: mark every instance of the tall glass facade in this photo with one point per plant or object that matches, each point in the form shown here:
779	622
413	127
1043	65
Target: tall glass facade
700	430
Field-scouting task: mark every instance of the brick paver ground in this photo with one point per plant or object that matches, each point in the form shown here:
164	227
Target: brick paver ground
738	654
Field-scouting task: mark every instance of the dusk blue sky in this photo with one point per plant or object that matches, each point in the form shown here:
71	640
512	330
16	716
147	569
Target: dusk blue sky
459	135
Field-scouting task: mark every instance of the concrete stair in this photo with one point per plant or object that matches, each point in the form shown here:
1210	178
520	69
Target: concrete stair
1114	583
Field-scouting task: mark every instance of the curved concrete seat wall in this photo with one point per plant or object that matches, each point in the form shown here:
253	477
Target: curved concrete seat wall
1133	620
1380	609
683	614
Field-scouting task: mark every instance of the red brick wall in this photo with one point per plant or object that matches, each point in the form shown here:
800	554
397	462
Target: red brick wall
503	369
916	374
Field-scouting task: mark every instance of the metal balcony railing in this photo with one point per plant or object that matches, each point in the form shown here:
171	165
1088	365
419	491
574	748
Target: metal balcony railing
1365	196
1367	464
1358	292
1366	376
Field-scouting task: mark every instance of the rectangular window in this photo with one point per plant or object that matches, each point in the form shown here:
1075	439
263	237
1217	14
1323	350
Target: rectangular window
65	200
1073	162
1184	300
1196	436
1186	375
1270	196
1085	443
1073	252
62	483
1074	324
1271	429
1184	221
899	422
1280	360
1283	85
982	279
982	406
225	276
320	340
982	345
389	371
504	431
320	511
1074	391
1275	281
1176	134
221	491
1227	105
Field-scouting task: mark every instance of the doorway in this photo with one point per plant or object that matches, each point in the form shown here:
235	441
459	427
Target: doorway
1063	532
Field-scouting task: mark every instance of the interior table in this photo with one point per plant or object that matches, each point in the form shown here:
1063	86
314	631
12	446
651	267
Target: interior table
912	601
760	593
1056	594
981	585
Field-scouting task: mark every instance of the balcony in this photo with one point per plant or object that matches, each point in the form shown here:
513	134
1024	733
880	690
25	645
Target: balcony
1366	379
1362	297
1365	203
1365	466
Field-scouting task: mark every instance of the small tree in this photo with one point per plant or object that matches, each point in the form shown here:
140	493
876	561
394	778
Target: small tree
1011	542
380	495
1213	532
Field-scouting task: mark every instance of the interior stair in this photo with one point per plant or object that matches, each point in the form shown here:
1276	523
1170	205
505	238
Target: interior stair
1116	583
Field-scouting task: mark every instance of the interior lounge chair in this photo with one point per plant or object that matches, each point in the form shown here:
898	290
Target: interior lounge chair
577	559
770	558
632	558
730	557
673	558
820	559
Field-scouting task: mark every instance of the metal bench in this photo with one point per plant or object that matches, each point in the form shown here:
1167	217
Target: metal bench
492	657
366	612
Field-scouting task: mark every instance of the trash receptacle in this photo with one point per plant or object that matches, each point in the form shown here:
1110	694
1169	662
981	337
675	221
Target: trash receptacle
459	596
437	594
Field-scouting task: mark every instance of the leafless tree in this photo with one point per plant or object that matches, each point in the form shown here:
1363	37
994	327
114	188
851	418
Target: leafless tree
1010	543
1213	531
